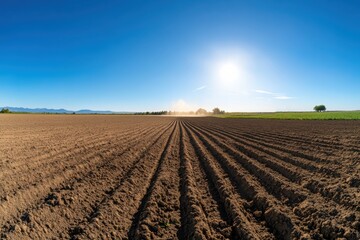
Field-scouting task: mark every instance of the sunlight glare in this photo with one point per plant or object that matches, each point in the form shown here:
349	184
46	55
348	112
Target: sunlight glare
228	72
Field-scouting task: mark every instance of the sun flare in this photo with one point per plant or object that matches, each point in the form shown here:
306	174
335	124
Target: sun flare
228	72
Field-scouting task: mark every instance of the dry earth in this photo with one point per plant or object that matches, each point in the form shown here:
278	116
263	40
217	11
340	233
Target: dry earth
136	177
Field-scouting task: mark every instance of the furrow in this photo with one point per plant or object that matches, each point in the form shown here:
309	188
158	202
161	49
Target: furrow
328	187
51	161
278	146
330	144
274	183
81	141
252	136
280	153
201	209
243	223
314	150
113	217
159	213
300	199
65	193
339	196
48	169
300	140
263	205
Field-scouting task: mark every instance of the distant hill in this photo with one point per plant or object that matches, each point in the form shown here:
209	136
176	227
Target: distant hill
61	110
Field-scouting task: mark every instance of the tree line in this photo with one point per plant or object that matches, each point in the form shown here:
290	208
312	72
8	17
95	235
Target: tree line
5	110
202	111
152	113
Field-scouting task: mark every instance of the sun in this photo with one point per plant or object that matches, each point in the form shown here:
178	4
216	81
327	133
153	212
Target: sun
228	72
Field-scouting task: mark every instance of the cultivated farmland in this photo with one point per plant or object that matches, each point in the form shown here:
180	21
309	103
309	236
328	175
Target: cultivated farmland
141	177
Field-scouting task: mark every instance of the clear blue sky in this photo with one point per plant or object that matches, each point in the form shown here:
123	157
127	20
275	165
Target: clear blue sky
161	55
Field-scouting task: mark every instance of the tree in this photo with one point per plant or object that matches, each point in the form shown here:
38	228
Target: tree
218	111
5	110
201	111
320	108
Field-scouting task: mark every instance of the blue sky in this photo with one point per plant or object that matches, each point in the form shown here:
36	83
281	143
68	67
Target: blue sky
180	55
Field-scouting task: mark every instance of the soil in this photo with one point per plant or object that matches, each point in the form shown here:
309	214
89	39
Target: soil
144	177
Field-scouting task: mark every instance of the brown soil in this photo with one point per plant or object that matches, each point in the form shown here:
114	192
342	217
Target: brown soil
139	177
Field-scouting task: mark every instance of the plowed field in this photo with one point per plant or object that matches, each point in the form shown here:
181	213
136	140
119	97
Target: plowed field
137	177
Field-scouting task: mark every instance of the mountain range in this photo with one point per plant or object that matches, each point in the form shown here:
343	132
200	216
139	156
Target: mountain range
49	110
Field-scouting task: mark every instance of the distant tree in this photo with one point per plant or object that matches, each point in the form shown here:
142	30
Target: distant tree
5	110
320	108
201	111
218	111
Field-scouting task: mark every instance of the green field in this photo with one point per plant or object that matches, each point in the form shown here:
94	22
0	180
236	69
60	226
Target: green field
339	115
